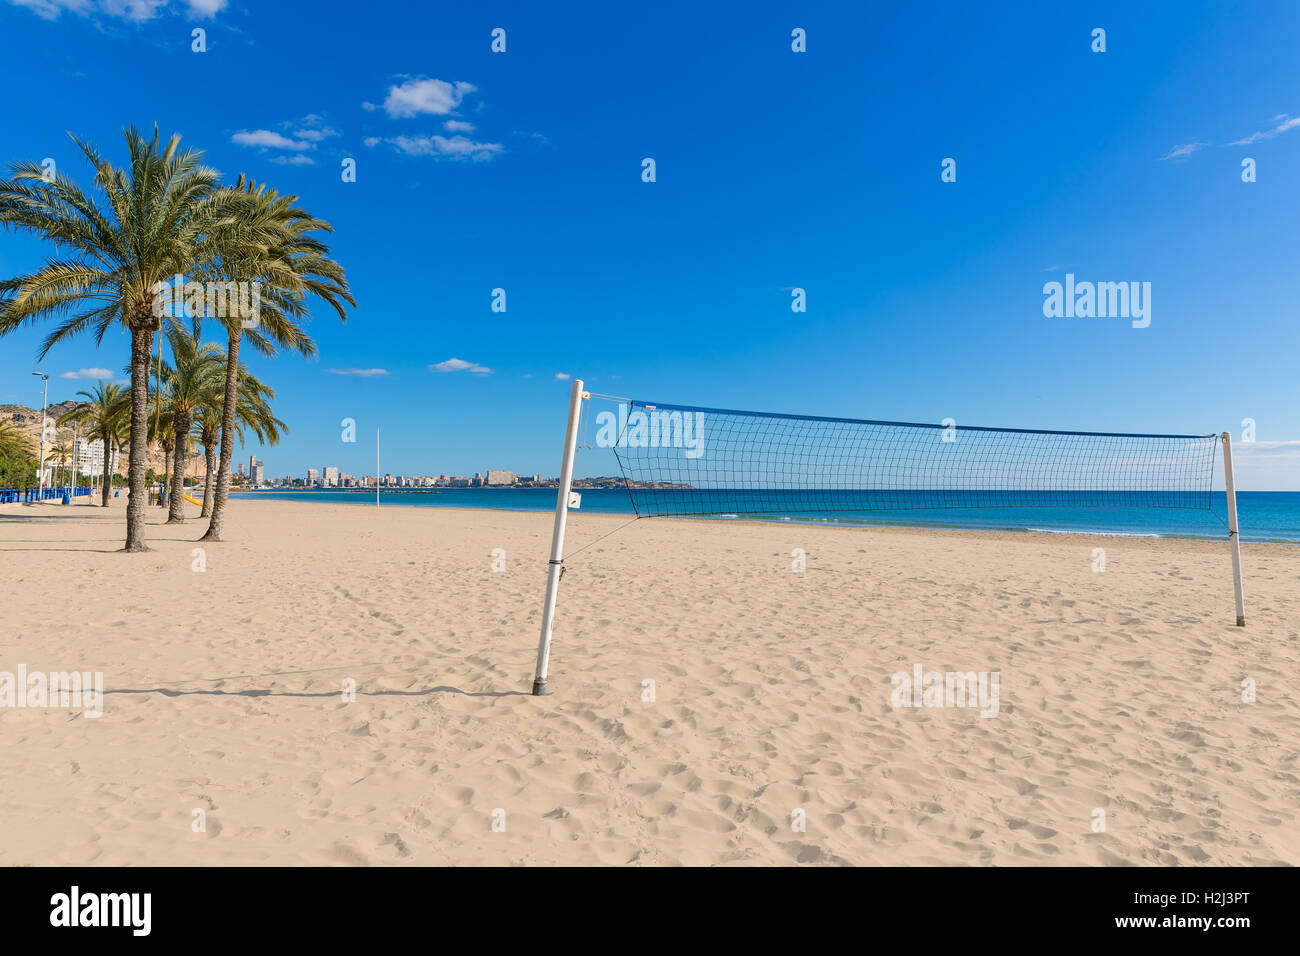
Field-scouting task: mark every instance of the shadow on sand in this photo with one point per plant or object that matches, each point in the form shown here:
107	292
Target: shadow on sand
158	531
443	689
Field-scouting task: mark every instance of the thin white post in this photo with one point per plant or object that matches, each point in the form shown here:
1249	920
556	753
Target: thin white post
40	472
1230	483
556	566
376	466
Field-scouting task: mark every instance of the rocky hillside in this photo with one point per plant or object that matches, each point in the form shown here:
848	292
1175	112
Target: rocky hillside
28	421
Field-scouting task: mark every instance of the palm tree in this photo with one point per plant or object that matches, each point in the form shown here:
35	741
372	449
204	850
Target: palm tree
161	215
276	248
197	376
159	428
13	443
161	433
207	431
252	412
105	411
60	453
17	459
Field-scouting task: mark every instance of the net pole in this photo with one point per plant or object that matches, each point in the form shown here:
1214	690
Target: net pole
1234	538
556	565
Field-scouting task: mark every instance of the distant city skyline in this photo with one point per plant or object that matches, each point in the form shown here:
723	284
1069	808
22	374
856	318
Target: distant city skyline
332	477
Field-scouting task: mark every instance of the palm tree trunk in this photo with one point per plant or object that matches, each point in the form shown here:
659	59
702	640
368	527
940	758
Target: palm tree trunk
141	347
209	462
108	458
166	477
227	436
177	513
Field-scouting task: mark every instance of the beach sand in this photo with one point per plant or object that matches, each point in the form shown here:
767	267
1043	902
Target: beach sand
1119	692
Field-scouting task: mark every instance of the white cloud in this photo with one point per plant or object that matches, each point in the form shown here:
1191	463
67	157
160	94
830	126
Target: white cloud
137	11
268	139
1265	466
316	135
561	376
312	128
88	373
424	96
205	8
454	147
1284	123
460	365
305	135
418	96
50	9
362	372
1266	449
1183	151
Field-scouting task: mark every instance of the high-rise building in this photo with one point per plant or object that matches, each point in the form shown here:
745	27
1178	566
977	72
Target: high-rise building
495	477
89	457
256	471
313	476
331	477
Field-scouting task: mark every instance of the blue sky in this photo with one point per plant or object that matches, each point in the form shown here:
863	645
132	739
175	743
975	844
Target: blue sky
819	170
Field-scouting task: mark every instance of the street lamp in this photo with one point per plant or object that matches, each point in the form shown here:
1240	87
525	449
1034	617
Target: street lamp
45	401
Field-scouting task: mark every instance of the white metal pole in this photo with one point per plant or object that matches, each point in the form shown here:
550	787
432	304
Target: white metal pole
40	474
1229	480
45	404
556	566
376	466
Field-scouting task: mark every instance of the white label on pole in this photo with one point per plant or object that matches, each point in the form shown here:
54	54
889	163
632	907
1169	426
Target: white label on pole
575	500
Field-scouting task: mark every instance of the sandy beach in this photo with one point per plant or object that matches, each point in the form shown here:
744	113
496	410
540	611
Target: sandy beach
1119	692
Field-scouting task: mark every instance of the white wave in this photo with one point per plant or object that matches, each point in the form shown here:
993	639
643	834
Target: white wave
1101	534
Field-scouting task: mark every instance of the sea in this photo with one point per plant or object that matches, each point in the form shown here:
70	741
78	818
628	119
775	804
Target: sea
1262	515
